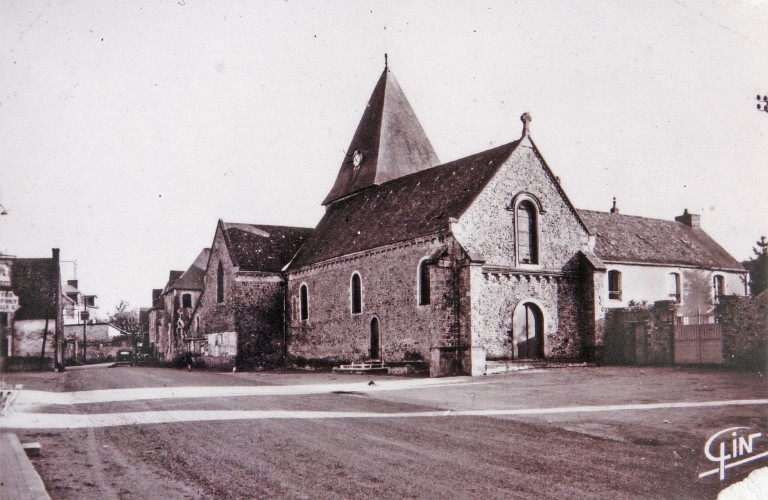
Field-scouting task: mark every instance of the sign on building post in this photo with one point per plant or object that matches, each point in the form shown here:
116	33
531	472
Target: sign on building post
9	302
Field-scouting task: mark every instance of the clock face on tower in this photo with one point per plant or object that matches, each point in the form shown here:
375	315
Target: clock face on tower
357	158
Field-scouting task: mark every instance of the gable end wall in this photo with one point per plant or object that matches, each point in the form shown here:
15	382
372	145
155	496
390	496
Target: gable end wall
567	299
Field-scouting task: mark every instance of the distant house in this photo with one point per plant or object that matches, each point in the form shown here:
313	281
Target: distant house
74	303
170	317
34	286
161	318
103	340
144	328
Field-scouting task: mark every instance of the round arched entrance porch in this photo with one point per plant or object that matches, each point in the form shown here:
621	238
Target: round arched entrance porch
528	326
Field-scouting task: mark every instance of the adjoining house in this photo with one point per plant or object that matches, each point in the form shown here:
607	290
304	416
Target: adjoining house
460	264
240	312
30	306
652	259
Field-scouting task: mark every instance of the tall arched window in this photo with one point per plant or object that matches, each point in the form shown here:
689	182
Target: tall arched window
303	302
220	284
424	284
357	294
614	285
527	233
186	300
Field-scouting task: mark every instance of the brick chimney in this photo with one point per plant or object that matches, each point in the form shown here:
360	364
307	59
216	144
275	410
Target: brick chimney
690	220
156	294
72	283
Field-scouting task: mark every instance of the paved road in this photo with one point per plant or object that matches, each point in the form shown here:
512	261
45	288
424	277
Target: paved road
596	432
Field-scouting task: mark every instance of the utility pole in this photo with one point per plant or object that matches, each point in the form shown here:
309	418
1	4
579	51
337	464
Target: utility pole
88	300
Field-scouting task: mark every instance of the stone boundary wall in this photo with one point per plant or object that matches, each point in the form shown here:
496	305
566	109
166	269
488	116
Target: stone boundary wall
745	329
641	334
27	364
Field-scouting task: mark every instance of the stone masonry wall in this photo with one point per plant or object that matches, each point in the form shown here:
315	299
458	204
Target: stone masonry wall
252	307
215	317
744	322
389	292
258	312
488	227
640	334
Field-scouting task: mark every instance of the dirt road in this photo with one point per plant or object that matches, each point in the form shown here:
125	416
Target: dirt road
420	450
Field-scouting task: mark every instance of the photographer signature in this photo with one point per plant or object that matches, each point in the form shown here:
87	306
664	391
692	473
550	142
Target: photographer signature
731	447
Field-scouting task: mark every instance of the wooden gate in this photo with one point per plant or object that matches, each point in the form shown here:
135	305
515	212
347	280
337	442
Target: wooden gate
698	340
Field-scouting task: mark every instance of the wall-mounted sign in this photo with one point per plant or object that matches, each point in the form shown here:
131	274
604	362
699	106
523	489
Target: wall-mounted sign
9	302
84	315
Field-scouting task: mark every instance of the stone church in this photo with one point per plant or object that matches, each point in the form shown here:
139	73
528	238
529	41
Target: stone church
455	264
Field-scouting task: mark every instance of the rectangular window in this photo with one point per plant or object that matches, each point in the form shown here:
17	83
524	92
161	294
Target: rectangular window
674	287
614	285
718	288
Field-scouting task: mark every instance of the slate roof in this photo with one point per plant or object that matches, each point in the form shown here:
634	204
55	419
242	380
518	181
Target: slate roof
628	238
401	209
263	248
390	139
192	279
35	282
172	277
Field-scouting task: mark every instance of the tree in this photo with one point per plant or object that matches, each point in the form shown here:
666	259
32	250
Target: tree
127	319
758	268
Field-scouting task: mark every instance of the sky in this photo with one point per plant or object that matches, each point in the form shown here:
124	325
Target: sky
127	129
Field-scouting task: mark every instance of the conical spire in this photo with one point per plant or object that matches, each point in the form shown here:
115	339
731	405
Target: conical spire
389	142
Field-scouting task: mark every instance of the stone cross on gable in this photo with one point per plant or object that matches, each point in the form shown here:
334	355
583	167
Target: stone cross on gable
526	119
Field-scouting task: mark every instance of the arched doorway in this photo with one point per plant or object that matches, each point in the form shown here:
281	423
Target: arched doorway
528	332
375	338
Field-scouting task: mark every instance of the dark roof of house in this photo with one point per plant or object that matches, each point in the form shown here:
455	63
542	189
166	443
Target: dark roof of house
628	238
192	279
263	248
390	139
172	277
401	209
35	282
